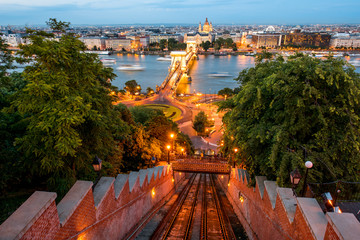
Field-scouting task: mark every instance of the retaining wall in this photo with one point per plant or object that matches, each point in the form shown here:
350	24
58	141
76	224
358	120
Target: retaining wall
108	212
270	212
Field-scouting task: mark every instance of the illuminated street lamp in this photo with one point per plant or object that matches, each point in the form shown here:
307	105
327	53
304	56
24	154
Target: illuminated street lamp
168	148
308	165
172	136
235	151
97	164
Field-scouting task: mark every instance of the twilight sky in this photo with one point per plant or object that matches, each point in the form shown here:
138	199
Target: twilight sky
31	12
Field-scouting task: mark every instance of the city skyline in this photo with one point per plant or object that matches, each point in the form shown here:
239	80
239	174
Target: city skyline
22	12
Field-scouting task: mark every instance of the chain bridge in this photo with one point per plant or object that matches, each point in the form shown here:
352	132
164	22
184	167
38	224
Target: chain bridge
181	62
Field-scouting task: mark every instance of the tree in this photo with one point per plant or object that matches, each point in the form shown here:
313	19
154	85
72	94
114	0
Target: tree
149	91
12	125
228	43
201	122
226	92
132	86
288	112
205	45
68	106
172	44
162	44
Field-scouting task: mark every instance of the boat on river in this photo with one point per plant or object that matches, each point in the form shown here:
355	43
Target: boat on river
130	67
108	60
219	74
163	59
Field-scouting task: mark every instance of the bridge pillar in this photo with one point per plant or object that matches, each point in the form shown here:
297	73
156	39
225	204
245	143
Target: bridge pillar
178	57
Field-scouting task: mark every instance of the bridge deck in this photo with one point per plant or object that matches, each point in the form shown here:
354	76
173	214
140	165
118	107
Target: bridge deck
203	167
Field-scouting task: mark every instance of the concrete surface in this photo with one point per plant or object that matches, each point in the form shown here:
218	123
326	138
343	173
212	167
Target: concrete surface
72	199
271	187
101	188
314	216
26	215
344	224
289	202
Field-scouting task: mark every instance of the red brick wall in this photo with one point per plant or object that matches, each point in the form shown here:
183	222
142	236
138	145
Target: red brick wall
301	229
258	217
330	234
43	228
83	216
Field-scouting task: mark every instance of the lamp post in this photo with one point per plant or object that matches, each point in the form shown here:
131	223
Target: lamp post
172	136
295	177
168	148
97	164
235	151
308	165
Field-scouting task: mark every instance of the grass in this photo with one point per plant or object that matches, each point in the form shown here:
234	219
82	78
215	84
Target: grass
171	112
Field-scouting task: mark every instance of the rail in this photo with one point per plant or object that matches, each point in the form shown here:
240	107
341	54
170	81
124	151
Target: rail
178	209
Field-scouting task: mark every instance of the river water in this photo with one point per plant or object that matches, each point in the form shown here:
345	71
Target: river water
155	71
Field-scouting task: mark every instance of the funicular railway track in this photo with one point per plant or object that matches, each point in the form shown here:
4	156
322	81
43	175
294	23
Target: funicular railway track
179	223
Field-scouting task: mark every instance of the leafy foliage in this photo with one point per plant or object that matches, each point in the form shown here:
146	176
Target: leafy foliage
132	86
201	122
288	112
67	103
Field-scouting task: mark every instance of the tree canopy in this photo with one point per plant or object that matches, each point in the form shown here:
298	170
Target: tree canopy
289	112
68	105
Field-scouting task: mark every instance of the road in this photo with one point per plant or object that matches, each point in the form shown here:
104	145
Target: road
189	111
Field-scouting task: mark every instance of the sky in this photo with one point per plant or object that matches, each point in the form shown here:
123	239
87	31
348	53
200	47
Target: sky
92	12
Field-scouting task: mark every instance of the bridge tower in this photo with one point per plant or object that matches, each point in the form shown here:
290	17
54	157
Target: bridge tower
191	46
178	57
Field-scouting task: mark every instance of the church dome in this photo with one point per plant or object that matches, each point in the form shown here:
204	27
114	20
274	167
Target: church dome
270	29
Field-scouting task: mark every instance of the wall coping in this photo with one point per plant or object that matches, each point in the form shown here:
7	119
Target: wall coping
313	215
25	216
345	225
101	189
72	199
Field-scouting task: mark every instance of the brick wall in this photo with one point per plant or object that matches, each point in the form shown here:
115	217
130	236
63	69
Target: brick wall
108	212
269	212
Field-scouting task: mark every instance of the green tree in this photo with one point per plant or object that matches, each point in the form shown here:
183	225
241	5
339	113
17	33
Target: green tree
132	86
172	44
162	45
149	91
228	92
201	122
205	45
68	105
288	112
228	43
12	126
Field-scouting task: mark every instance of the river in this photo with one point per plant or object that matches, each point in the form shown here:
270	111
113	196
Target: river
155	71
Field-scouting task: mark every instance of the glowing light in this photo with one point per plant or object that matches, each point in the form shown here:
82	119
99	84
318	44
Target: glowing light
222	176
182	149
168	147
241	199
228	184
235	150
153	192
173	180
172	135
180	174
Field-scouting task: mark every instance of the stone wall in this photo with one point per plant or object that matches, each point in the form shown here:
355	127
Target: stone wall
109	212
270	212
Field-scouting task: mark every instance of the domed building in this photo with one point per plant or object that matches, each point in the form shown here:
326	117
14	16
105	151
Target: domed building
270	29
206	28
